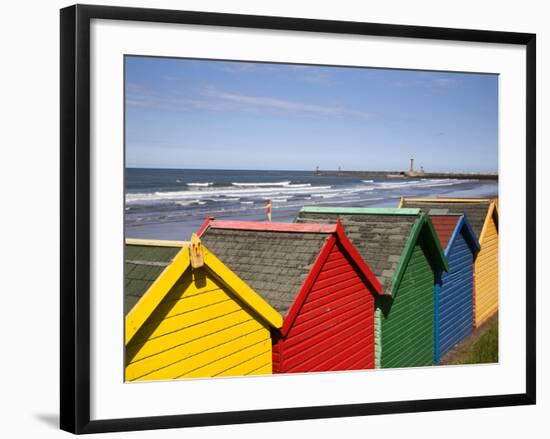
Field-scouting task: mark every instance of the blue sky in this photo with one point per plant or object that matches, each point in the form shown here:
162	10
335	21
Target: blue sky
234	115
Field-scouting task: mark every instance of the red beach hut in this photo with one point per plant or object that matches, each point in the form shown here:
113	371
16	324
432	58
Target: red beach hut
316	279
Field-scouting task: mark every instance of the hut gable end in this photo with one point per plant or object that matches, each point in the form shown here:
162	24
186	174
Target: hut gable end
194	321
339	299
454	291
380	239
199	329
313	275
476	211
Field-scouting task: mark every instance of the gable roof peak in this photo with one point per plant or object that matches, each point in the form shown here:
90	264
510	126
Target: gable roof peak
277	258
385	240
460	224
478	210
174	269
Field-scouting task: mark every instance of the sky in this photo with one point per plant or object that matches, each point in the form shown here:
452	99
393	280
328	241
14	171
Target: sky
200	114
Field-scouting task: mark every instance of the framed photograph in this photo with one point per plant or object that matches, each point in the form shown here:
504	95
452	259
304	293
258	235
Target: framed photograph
305	218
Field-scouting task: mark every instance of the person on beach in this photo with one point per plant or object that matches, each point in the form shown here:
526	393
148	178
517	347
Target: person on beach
267	205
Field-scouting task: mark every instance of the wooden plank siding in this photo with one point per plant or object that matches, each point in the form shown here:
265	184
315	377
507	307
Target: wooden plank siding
334	329
403	250
407	318
455	297
199	329
486	274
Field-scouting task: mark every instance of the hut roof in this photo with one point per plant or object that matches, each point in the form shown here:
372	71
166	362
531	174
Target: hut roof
444	226
170	263
384	237
144	261
476	209
275	258
448	226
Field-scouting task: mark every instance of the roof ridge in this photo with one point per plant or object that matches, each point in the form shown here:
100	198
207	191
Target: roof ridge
362	210
156	242
273	227
446	214
448	200
422	221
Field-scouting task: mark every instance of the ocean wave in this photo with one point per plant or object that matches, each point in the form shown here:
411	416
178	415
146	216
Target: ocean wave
281	193
367	181
207	184
220	193
298	185
262	184
187	203
328	195
423	183
183	216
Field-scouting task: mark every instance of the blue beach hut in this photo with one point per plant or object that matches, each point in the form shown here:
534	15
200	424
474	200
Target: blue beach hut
454	295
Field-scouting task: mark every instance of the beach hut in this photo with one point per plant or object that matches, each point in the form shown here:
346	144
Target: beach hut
454	316
403	250
188	315
316	279
482	213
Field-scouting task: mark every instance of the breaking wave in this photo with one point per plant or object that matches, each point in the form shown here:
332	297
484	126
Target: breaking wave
207	184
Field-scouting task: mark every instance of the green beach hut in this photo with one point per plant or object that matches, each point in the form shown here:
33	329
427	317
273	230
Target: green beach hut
404	252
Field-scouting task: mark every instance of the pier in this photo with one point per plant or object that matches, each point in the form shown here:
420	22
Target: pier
408	175
411	173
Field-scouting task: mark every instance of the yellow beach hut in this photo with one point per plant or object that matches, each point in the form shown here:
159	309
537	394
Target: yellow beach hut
482	213
189	316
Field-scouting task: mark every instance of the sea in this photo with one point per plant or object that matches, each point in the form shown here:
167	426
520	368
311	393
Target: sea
173	203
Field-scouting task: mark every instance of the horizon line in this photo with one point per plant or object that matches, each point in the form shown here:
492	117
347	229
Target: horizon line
314	169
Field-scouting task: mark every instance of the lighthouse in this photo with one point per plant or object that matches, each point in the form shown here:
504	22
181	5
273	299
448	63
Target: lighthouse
411	169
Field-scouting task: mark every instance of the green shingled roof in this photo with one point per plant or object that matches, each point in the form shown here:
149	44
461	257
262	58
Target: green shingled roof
142	265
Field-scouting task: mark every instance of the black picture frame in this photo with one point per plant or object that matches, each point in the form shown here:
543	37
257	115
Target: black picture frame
75	217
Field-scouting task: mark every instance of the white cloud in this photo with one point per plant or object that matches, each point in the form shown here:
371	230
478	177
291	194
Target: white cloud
212	99
426	82
284	105
444	82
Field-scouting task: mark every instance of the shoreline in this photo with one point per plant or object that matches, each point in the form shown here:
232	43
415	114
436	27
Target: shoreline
181	228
